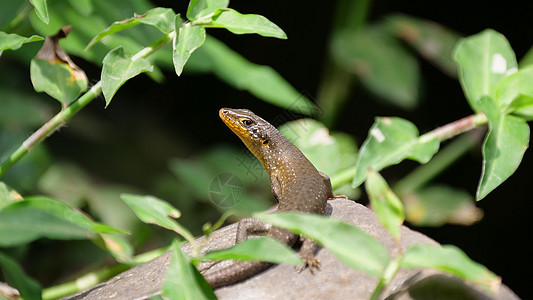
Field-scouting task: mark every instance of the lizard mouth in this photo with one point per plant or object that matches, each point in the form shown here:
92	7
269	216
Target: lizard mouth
231	119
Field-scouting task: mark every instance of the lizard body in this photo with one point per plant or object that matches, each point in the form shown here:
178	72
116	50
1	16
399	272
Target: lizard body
296	184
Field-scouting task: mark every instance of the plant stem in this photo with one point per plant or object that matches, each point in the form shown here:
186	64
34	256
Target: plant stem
21	15
64	115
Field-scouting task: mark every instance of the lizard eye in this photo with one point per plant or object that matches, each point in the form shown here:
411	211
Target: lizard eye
246	122
265	142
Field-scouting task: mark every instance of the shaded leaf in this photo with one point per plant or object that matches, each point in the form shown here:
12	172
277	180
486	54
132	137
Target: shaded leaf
53	72
188	38
451	260
433	41
380	62
14	41
438	205
204	8
391	140
155	211
503	148
385	203
28	287
484	60
41	9
183	281
261	81
8	195
121	250
159	17
242	24
258	249
348	243
118	67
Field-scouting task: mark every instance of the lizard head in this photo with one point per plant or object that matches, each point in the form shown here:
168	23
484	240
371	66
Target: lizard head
250	128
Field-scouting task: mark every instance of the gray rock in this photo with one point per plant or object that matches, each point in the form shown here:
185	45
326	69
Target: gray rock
334	281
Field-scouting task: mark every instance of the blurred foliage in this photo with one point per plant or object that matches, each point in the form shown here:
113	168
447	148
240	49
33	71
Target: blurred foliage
128	37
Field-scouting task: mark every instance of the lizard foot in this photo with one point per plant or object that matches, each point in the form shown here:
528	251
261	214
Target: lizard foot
313	264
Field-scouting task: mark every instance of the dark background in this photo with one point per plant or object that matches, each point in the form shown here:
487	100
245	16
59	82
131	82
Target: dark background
181	114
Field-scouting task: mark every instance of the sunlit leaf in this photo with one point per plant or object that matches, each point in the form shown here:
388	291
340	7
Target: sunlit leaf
53	72
438	205
348	243
249	23
155	211
188	38
389	141
204	8
503	148
261	81
385	203
8	195
14	41
484	60
258	249
183	281
118	67
28	287
451	260
118	247
433	41
514	94
381	63
159	17
41	9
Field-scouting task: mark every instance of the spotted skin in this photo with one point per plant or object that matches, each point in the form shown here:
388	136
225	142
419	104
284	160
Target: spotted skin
296	184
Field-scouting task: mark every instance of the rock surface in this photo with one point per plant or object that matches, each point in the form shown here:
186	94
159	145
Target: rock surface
334	281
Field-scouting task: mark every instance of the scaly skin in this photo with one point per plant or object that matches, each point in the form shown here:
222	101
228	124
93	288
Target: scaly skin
296	184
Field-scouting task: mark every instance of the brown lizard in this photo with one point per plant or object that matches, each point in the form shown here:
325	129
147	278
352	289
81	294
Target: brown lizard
296	184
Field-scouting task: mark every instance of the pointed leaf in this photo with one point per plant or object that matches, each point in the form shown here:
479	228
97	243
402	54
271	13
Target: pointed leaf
155	211
347	242
13	41
15	275
385	203
41	9
451	260
503	148
249	23
188	38
8	195
183	281
382	64
514	94
389	141
258	249
118	68
484	60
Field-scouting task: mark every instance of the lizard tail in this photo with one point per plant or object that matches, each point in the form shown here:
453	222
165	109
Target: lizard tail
236	272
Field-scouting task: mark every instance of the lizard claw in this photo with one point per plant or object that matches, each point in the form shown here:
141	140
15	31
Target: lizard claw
312	264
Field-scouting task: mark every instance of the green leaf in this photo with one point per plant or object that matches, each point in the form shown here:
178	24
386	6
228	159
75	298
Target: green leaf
118	68
261	81
41	9
348	243
258	249
8	195
159	17
183	281
451	260
121	250
14	275
484	60
503	148
204	8
438	205
433	41
155	211
514	94
18	225
58	80
242	24
385	203
381	63
13	41
188	38
329	152
389	141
